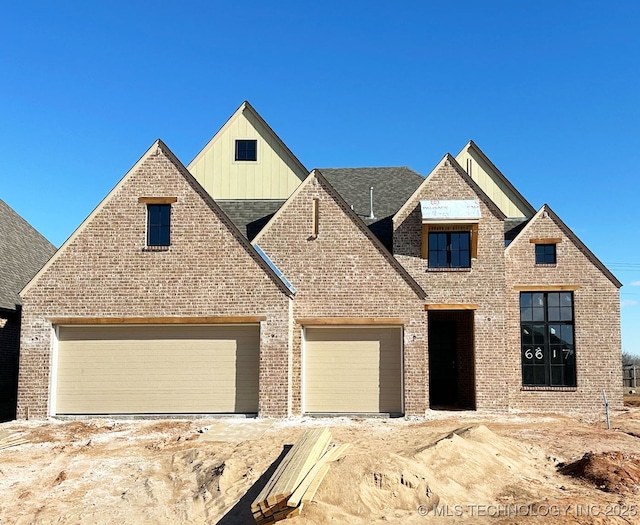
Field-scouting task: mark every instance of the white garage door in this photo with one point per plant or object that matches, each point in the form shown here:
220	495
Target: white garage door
353	370
157	369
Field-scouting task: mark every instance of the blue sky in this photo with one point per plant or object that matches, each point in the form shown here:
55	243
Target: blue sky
549	90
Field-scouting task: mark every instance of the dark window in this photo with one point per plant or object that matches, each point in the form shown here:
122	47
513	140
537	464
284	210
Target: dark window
548	353
158	224
246	150
449	250
545	253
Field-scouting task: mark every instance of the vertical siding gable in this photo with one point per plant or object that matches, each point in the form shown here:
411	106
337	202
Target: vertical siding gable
274	175
493	182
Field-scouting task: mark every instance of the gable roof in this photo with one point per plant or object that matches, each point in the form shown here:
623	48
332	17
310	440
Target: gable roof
275	173
572	236
357	221
156	148
245	106
448	158
23	251
250	215
392	186
498	179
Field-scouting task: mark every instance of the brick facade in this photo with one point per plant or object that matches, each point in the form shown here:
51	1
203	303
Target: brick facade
596	302
104	271
344	273
481	285
339	270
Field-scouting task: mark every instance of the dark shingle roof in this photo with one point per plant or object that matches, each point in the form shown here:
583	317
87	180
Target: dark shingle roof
23	251
392	187
250	215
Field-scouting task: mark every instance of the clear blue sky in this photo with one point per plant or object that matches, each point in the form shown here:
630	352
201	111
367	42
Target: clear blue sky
550	90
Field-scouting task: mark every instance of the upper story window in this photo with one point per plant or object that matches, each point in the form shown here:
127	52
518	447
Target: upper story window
450	232
545	254
548	353
450	249
247	149
158	224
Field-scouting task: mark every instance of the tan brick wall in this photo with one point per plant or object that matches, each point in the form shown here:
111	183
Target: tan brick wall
341	273
105	272
483	284
597	322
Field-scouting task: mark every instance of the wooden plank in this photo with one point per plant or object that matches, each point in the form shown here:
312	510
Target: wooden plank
451	306
550	240
156	320
304	455
331	455
257	504
157	200
548	288
313	487
338	321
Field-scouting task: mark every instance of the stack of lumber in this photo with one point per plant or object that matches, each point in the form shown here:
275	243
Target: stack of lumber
297	477
11	440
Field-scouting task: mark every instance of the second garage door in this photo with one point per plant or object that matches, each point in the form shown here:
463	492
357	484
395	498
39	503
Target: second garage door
157	369
353	370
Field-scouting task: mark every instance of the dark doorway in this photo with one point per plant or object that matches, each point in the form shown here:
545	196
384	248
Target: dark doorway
451	361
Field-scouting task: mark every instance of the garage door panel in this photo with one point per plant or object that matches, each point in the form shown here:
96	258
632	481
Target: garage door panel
157	369
353	370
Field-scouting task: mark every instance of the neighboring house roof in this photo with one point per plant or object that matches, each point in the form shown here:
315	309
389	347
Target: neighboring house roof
23	251
493	182
574	238
250	215
159	147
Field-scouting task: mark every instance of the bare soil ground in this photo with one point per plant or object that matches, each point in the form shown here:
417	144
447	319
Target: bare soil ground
451	467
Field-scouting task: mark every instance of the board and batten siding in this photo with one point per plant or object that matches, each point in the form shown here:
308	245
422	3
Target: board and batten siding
353	370
274	175
157	369
497	189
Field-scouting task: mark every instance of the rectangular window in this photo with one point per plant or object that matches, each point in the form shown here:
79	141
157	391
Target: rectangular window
548	353
449	249
246	150
158	224
545	254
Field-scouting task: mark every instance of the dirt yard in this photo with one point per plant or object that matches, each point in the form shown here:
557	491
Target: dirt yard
452	467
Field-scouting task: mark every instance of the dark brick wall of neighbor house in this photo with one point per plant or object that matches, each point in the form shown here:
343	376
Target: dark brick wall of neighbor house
9	354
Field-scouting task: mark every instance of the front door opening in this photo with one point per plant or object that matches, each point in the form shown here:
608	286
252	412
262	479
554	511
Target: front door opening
451	360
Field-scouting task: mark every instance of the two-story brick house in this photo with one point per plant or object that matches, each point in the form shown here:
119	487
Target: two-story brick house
243	284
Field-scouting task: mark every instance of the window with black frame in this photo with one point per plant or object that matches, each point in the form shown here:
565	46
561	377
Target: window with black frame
548	352
247	149
450	249
158	224
545	254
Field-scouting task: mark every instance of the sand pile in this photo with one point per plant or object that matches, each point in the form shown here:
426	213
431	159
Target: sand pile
469	466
